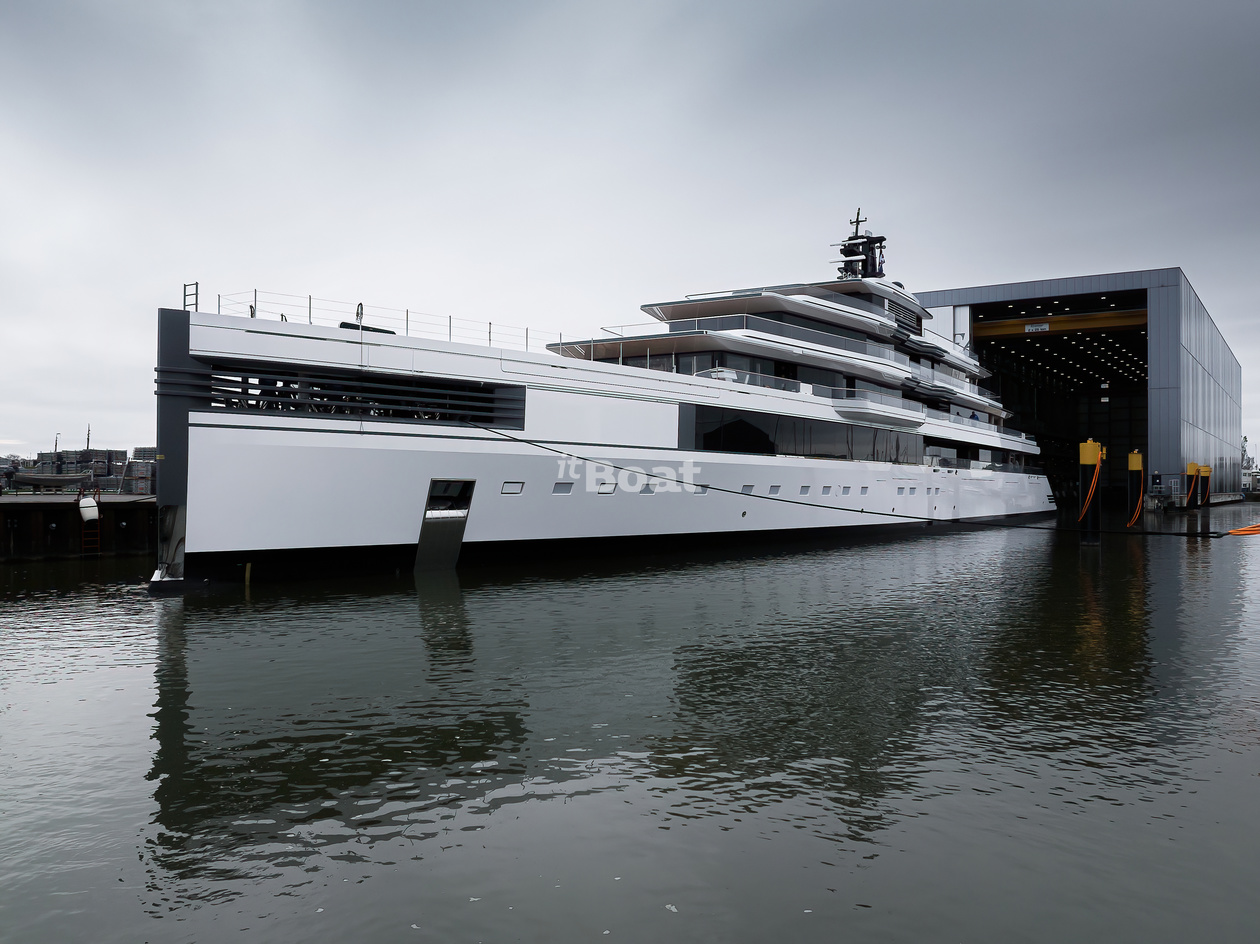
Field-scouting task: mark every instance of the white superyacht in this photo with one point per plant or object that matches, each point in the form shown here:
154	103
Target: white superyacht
285	446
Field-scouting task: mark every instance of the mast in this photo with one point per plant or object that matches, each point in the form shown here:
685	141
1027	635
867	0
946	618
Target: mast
862	254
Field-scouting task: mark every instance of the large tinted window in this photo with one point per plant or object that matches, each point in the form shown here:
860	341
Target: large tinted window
722	430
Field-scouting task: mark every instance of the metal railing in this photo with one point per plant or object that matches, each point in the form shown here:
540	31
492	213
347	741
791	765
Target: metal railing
985	425
764	326
744	377
405	322
843	393
948	462
945	378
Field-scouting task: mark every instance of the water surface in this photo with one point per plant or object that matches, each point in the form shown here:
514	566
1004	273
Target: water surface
981	736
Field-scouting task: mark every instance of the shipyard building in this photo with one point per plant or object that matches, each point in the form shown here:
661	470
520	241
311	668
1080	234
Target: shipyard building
1131	359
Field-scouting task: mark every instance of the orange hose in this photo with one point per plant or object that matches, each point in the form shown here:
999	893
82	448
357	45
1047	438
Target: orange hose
1138	510
1092	485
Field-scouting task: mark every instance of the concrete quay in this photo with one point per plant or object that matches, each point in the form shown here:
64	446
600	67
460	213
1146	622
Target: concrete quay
48	526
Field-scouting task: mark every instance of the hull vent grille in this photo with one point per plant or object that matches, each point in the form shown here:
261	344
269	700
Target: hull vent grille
283	388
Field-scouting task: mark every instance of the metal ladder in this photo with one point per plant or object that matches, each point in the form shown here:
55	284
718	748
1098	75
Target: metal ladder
92	537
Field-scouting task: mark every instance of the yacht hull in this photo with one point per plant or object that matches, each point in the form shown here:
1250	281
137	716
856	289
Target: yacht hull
599	457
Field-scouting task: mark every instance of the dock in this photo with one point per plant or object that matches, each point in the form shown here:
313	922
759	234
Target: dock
48	526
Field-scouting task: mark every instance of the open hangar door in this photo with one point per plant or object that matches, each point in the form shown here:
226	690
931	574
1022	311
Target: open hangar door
1070	368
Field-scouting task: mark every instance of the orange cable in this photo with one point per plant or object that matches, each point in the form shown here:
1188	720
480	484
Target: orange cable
1092	485
1138	510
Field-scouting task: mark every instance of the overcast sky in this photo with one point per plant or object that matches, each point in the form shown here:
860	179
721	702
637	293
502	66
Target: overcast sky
558	164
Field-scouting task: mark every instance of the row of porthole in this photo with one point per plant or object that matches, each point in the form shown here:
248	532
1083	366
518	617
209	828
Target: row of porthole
805	489
608	488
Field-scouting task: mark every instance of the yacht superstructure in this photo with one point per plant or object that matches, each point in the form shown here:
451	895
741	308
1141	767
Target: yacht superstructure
784	408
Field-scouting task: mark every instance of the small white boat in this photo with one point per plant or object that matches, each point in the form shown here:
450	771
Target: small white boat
52	479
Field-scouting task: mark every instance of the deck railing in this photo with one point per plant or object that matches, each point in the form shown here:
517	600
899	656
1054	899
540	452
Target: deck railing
884	399
745	377
406	322
762	325
984	425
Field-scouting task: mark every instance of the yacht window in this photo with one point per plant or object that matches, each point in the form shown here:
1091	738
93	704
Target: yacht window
845	490
864	489
901	490
826	489
607	488
716	429
746	490
562	488
512	488
912	491
817	375
804	489
774	489
661	362
694	363
648	488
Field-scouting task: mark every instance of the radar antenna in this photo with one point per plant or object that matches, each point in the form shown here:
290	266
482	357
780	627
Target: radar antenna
858	221
862	254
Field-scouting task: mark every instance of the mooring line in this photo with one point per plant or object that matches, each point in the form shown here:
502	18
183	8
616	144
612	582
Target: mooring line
1249	530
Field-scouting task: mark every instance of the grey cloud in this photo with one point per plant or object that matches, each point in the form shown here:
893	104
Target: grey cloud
558	164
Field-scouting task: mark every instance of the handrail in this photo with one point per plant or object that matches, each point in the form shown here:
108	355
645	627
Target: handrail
984	425
732	375
844	393
405	322
946	378
764	325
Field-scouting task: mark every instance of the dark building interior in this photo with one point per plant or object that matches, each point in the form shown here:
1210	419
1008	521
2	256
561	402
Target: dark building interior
1070	368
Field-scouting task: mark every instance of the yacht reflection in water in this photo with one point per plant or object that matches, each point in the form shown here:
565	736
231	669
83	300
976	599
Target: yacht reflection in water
375	723
285	729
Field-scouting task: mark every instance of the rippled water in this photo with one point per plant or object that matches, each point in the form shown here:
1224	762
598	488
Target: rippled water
986	736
